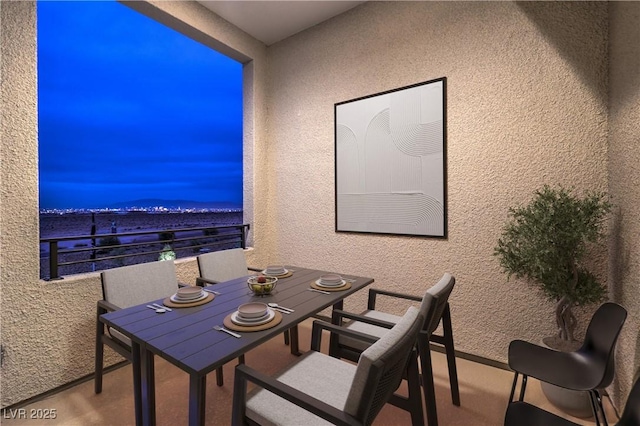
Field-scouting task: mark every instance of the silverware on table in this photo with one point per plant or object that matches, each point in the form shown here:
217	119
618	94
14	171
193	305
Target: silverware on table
276	306
236	335
162	307
158	310
318	291
211	291
281	310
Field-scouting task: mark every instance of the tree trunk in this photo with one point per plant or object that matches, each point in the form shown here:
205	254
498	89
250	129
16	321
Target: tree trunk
565	319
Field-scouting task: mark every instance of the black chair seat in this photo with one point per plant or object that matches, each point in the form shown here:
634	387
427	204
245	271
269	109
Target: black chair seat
571	370
589	369
519	413
523	414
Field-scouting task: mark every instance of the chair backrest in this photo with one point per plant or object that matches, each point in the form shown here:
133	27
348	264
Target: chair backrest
223	265
631	414
601	337
440	294
136	284
381	367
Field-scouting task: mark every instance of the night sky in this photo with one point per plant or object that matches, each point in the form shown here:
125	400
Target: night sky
130	109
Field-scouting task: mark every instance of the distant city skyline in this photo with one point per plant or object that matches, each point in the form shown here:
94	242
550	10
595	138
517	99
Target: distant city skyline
130	109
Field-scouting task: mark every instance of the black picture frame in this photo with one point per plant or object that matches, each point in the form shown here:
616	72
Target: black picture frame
391	163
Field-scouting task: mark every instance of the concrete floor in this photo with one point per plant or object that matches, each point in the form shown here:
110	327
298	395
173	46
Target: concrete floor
484	392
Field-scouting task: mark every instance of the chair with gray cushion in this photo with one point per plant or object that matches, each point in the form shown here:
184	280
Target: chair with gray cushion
377	323
318	389
520	413
125	287
222	265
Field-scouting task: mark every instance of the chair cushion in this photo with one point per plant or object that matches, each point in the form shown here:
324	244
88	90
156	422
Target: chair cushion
320	376
116	335
370	329
223	265
135	284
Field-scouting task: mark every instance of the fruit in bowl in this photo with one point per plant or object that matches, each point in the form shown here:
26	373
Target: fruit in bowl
261	285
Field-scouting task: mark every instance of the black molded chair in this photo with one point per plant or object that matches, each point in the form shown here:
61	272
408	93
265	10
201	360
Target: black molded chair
319	389
520	413
377	323
589	368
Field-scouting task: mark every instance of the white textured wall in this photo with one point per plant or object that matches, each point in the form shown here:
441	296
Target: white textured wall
624	176
48	328
526	106
526	103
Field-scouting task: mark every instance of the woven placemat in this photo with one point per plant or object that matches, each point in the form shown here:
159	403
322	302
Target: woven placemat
235	327
168	302
346	286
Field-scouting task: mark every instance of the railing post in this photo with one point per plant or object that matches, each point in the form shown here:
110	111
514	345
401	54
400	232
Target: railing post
53	260
243	236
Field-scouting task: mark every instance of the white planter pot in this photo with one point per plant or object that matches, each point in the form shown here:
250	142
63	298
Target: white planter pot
571	402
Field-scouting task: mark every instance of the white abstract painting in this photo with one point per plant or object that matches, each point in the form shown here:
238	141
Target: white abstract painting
390	162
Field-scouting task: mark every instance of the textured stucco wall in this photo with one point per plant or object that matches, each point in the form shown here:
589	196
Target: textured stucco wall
48	328
527	106
624	175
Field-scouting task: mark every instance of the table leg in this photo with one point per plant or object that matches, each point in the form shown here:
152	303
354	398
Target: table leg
137	381
293	341
333	338
197	396
148	390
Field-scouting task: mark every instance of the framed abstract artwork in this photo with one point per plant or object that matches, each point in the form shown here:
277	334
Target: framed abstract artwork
390	162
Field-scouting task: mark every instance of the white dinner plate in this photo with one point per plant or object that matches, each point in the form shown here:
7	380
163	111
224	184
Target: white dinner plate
174	299
277	274
330	285
257	321
190	298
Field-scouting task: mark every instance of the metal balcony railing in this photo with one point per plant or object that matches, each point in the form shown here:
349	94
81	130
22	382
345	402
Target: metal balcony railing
87	253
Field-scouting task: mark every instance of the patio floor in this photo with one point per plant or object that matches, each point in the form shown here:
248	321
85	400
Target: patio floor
484	392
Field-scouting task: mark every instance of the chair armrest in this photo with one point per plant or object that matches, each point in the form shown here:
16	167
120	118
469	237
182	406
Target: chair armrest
318	326
339	314
251	268
375	291
104	307
201	282
243	373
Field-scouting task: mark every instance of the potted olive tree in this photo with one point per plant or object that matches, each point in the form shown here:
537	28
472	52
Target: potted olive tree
547	243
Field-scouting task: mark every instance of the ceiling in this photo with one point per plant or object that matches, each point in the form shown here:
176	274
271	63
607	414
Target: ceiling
272	21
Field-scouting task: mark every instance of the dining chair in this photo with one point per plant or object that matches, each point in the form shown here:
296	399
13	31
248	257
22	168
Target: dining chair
520	413
225	265
222	265
319	389
377	323
588	369
124	287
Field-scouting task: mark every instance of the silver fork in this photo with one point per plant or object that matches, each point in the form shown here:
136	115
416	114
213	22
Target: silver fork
211	291
236	335
162	307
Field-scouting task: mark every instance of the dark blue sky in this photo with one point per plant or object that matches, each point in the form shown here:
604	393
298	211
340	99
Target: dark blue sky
130	109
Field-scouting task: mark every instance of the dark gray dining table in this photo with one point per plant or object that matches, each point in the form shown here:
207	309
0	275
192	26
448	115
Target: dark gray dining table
186	338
